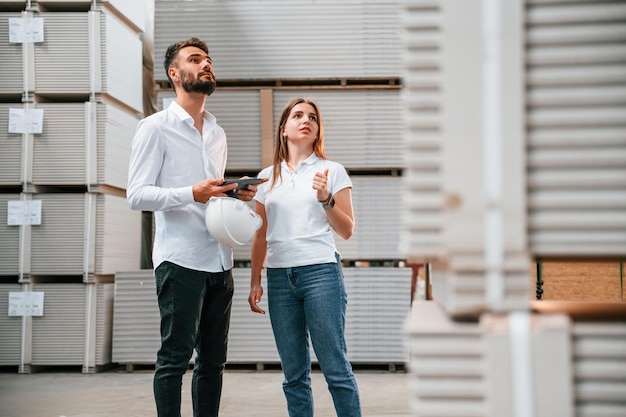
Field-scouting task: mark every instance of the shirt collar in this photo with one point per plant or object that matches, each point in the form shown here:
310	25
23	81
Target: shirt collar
310	160
185	117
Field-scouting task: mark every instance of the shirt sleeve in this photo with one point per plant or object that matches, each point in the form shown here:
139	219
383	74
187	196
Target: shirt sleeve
146	160
339	178
262	188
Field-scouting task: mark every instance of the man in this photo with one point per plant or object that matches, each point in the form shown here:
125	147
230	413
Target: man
177	163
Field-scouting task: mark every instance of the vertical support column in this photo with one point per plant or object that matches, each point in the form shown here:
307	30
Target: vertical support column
25	246
89	242
89	362
492	138
26	354
95	54
91	145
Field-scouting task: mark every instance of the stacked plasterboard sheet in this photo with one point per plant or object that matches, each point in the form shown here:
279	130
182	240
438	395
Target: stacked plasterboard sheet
112	67
11	157
93	56
9	239
498	365
422	202
362	128
243	133
446	364
100	325
84	233
599	361
261	40
83	143
576	77
135	318
377	217
250	339
10	328
58	337
378	303
12	82
468	291
133	11
74	322
242	253
528	363
465	205
136	322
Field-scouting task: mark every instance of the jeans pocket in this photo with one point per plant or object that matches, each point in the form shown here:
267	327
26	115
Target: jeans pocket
159	276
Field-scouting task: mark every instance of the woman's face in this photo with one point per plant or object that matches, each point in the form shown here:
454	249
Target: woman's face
301	125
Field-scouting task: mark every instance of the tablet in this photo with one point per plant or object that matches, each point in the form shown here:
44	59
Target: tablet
242	183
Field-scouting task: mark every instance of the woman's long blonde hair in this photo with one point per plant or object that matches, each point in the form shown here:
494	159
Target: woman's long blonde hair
281	150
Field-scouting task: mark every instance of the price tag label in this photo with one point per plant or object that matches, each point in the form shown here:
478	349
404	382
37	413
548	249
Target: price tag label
25	29
21	212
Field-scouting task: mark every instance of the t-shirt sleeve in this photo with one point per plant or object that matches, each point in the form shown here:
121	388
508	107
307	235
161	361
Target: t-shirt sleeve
339	178
262	189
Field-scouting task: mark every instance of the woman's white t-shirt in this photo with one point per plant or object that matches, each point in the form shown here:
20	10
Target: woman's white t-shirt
298	231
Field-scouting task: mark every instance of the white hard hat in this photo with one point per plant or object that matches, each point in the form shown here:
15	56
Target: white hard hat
231	221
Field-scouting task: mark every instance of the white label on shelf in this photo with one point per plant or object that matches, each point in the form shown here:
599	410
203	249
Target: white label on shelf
25	120
23	212
26	303
25	29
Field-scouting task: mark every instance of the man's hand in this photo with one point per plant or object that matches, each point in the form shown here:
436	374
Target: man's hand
211	187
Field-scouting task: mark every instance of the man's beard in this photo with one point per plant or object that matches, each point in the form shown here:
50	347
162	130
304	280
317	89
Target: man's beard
191	85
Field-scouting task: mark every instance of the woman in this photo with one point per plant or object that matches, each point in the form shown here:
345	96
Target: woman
306	198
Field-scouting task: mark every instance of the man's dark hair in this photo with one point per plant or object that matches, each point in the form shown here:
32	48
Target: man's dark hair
172	52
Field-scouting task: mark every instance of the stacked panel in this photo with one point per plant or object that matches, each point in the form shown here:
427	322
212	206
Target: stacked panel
377	307
514	127
377	213
252	40
362	128
75	328
599	361
465	209
132	12
83	77
250	339
378	303
499	365
446	364
10	328
576	107
12	155
82	143
135	318
83	234
12	83
10	242
113	66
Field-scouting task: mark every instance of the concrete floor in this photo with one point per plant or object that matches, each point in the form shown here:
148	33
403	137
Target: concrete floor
246	393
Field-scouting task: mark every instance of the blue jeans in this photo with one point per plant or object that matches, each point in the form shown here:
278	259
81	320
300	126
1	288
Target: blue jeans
195	313
312	300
